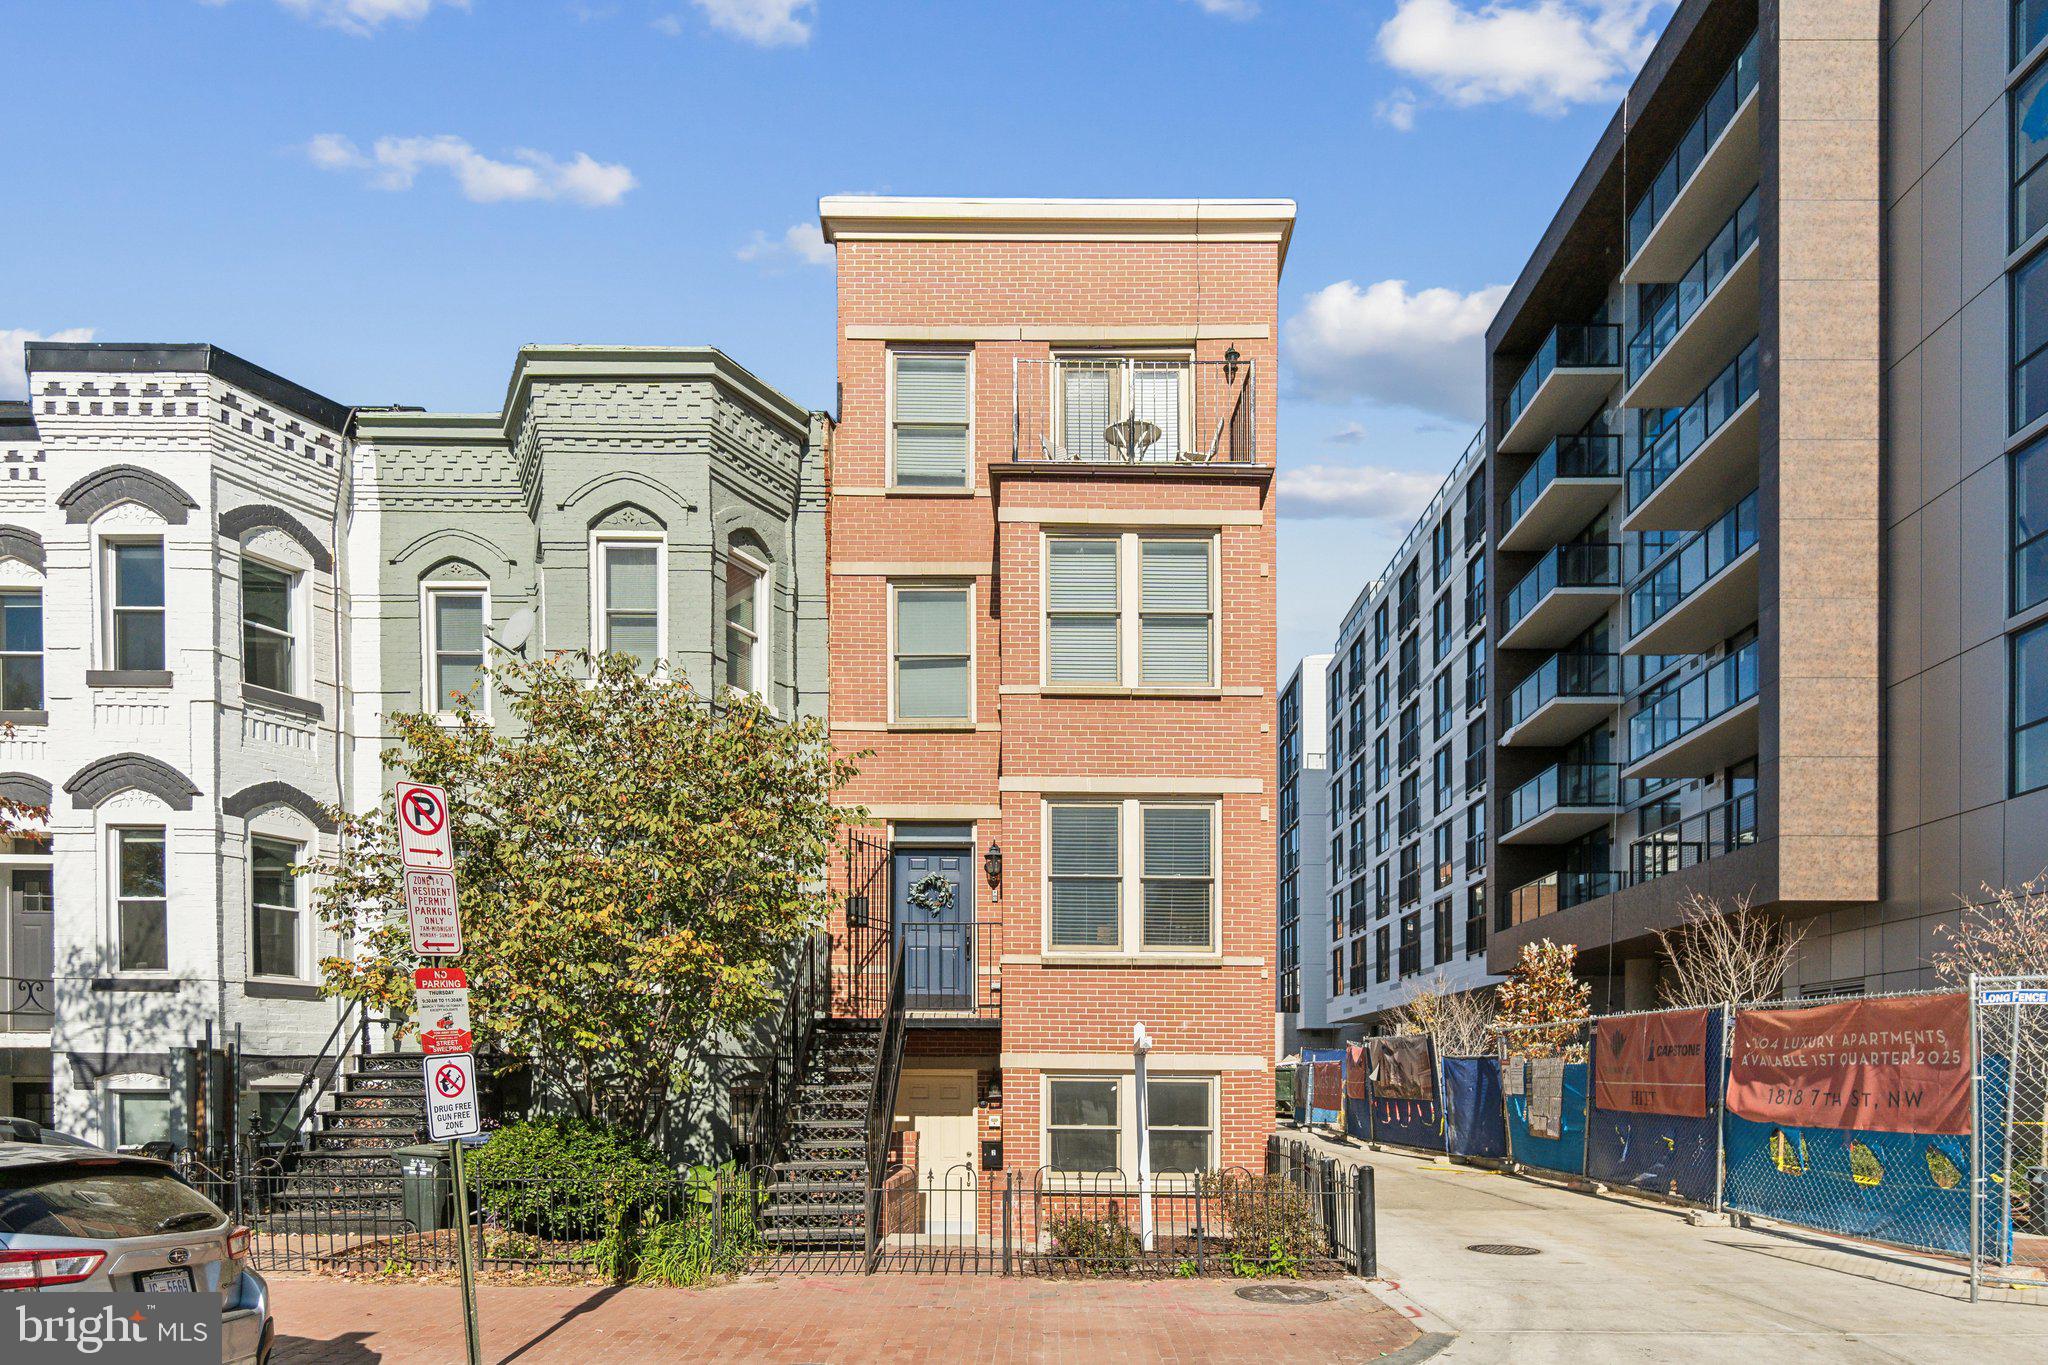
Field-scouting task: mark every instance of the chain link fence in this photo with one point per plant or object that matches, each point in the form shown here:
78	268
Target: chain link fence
2010	1076
1544	1082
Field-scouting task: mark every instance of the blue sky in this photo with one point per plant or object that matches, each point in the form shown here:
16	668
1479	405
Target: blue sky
383	198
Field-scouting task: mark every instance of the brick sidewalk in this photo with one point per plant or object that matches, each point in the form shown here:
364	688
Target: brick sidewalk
841	1320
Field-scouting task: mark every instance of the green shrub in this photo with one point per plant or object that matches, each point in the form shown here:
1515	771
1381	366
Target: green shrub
568	1180
1271	1223
1099	1243
713	1237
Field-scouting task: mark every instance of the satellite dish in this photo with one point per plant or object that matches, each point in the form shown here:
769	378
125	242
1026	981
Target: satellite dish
518	630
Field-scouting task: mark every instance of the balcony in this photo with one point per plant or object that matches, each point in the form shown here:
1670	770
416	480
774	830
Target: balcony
1566	696
1701	320
1563	385
1700	593
1555	891
1701	726
952	973
1570	482
25	1004
1138	412
1695	839
1562	802
1703	457
1569	589
1716	162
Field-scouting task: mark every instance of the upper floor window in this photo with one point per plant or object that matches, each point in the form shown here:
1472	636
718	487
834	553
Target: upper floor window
21	651
1161	900
141	901
929	419
629	601
1092	634
2030	525
746	617
135	594
934	653
267	625
1123	407
274	905
2029	26
2029	151
455	645
2030	341
2030	710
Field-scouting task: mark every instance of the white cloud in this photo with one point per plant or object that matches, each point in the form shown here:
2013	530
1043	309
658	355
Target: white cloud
1419	350
364	17
764	23
1360	492
800	243
13	375
1229	9
1350	434
1397	110
395	163
1548	54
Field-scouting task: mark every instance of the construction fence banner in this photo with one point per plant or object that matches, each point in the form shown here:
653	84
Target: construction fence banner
1854	1117
1404	1092
1544	1081
1478	1127
1326	1085
1654	1124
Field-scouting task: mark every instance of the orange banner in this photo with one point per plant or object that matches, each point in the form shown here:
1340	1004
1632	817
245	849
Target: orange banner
1354	1071
1652	1064
1894	1066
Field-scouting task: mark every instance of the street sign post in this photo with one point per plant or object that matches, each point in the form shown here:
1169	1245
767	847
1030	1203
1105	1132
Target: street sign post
424	839
440	1011
431	913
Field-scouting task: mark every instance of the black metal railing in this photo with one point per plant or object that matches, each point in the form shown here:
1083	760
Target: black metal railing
1687	430
1693	145
1584	455
783	1072
1563	785
1671	306
1695	839
953	969
1569	345
27	1003
1133	410
882	1095
1571	673
862	984
1581	564
351	1032
1697	561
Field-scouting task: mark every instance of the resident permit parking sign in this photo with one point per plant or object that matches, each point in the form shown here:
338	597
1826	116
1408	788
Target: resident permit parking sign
452	1110
430	913
440	1010
424	839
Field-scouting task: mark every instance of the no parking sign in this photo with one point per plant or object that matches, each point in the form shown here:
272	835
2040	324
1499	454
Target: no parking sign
424	839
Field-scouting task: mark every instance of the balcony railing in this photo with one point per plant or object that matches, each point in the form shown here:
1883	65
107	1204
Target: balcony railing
1566	457
1700	700
1677	303
1693	145
26	1004
1595	564
1570	345
952	971
1563	785
1573	674
1556	891
1693	840
1697	561
1120	410
1682	437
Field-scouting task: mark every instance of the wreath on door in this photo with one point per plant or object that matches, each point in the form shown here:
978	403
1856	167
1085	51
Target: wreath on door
932	893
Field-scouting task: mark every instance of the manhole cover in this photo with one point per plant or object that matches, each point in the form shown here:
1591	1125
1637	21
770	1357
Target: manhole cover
1502	1249
1282	1293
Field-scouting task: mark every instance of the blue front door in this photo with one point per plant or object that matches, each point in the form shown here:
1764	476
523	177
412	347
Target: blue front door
934	913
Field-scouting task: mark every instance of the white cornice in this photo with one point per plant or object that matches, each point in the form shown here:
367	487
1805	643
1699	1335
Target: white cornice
847	217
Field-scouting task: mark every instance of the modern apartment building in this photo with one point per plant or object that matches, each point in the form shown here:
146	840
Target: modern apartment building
1052	601
1763	406
1406	696
215	585
1304	870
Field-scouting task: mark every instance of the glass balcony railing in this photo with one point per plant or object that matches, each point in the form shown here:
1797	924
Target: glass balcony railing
1671	306
1595	564
1570	345
1556	891
1676	172
1563	675
1681	437
1562	784
1700	700
1693	840
1697	561
1586	456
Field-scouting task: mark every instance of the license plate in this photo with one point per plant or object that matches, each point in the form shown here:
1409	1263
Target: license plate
177	1280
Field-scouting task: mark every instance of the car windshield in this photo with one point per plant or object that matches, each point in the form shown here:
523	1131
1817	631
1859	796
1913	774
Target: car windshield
101	1203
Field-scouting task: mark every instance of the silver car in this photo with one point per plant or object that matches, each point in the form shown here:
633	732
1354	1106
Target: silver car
81	1219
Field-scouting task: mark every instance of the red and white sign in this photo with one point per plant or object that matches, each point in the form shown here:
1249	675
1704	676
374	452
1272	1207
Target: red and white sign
431	914
440	1010
452	1110
1893	1065
424	837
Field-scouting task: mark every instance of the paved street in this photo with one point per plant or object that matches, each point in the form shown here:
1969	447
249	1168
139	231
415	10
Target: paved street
840	1320
1618	1280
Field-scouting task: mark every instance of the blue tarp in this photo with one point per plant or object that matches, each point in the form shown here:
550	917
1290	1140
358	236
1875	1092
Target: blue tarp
1472	1085
1407	1123
1565	1154
1666	1154
1358	1118
1309	1057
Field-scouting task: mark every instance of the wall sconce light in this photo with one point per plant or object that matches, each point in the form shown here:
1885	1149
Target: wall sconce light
1230	359
992	863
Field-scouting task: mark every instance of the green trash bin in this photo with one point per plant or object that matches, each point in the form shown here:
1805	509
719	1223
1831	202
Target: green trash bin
424	1171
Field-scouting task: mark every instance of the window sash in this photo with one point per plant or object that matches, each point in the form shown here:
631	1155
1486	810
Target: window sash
1162	899
1083	1125
135	619
1130	610
274	908
456	665
1182	1134
142	899
930	421
1084	862
933	653
1083	603
630	593
21	651
267	626
1174	611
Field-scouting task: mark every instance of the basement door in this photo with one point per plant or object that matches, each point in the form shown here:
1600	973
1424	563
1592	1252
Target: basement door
27	956
940	1106
935	915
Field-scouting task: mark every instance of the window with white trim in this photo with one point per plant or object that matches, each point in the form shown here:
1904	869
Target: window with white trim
1091	1124
141	1116
1161	900
629	600
455	646
21	651
1083	1131
929	419
274	908
1178	1117
1124	408
141	899
134	577
268	656
746	614
934	651
1130	610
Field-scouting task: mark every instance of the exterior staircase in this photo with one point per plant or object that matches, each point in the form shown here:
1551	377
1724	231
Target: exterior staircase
347	1176
817	1195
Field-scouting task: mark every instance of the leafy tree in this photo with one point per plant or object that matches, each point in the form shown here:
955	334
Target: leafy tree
1541	991
633	863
